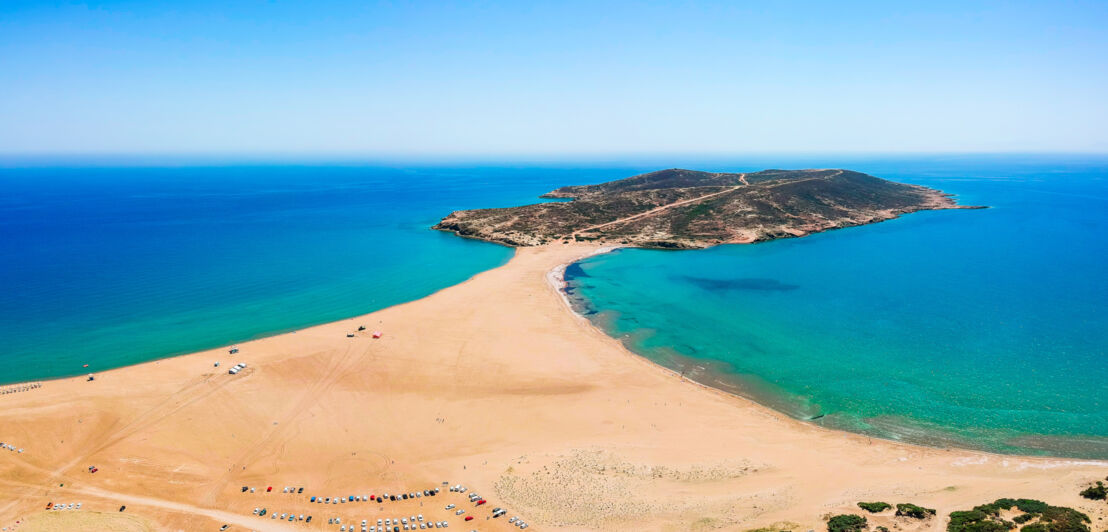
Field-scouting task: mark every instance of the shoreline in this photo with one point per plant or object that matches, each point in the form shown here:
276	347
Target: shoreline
489	383
256	337
556	280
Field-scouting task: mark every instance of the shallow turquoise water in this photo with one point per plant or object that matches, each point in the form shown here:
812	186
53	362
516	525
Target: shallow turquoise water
983	328
977	328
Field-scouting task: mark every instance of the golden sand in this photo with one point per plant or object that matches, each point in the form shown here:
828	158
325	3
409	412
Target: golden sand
494	384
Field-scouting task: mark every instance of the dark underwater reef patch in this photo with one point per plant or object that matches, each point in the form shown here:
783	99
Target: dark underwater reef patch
746	283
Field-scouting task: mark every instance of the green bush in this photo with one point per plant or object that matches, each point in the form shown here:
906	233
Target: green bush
874	507
911	510
1062	519
1097	493
975	521
846	523
986	518
1032	506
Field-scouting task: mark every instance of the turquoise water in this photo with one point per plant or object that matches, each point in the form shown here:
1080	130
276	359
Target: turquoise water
977	328
984	328
112	266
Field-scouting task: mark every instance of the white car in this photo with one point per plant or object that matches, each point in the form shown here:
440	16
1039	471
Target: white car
449	506
459	512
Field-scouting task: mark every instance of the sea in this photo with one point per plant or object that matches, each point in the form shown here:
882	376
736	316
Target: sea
983	329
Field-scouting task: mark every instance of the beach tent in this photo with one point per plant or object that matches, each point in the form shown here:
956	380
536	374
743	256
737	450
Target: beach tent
376	334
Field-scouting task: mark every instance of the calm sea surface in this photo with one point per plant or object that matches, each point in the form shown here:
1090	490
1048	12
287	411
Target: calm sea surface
977	328
985	328
112	266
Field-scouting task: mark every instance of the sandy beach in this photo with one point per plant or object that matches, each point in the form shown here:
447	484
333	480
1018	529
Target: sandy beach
494	384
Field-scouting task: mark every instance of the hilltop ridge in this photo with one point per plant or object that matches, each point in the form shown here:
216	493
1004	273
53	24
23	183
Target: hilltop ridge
682	209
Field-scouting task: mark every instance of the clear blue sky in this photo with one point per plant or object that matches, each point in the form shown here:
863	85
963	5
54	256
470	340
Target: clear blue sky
552	78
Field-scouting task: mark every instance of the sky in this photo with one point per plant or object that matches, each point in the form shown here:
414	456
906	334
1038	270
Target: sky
567	78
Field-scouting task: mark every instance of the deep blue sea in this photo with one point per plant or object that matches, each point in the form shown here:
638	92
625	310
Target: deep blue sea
114	265
977	328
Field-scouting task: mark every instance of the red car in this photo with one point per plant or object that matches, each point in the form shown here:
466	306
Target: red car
480	502
269	489
49	505
469	518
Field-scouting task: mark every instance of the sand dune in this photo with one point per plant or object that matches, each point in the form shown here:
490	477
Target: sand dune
493	384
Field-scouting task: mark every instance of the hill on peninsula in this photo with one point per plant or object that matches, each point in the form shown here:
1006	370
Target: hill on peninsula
685	209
